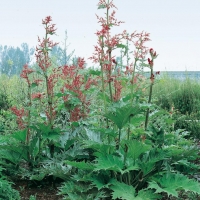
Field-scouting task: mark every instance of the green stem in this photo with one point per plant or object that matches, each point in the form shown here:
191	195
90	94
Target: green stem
29	115
149	100
119	139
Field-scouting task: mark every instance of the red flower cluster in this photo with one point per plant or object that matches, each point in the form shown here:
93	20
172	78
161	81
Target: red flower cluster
81	63
45	45
68	71
25	72
152	53
150	61
153	56
104	31
90	82
37	95
158	73
20	113
141	50
75	82
118	90
76	114
129	70
106	5
51	81
50	28
37	81
152	77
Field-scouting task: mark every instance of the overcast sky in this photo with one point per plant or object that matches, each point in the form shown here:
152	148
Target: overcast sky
174	26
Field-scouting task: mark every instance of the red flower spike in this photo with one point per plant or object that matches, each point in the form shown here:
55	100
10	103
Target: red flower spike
81	63
151	51
114	61
42	57
152	77
118	90
37	95
37	81
158	73
47	20
20	113
25	72
150	62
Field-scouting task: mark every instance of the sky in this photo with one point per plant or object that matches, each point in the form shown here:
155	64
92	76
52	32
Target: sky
174	26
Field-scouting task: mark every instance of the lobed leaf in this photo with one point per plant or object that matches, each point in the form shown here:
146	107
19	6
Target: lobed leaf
171	183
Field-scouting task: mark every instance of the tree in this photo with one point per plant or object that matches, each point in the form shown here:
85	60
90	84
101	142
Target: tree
12	59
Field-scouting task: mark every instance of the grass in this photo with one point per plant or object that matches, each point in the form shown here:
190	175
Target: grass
182	98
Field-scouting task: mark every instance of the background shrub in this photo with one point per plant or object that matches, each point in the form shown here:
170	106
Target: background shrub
182	99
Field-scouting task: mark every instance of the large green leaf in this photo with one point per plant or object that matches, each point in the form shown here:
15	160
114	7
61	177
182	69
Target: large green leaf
99	147
127	192
108	162
40	176
11	156
171	183
137	120
20	135
120	114
147	195
136	148
13	152
150	159
34	147
122	191
100	181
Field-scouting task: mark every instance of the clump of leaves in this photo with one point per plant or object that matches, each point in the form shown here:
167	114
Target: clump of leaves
6	190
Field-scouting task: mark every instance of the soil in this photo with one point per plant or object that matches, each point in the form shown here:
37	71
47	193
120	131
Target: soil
40	192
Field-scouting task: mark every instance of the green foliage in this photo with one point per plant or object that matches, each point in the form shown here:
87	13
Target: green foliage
136	148
32	197
96	130
122	191
4	101
75	190
120	114
183	96
109	162
127	192
171	183
6	191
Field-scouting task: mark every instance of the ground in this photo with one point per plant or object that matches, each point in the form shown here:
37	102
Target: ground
41	192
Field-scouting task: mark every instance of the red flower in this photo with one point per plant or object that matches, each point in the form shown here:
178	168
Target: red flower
20	113
152	77
81	63
37	81
47	20
89	83
151	51
114	61
158	73
75	114
25	72
118	90
37	95
150	62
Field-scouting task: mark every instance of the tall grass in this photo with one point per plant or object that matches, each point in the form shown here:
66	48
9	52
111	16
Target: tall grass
182	98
